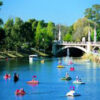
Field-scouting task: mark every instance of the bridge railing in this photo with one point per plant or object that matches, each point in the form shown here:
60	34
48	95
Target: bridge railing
75	43
69	43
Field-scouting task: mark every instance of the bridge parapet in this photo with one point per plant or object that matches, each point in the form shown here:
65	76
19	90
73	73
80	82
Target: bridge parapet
76	43
71	43
84	46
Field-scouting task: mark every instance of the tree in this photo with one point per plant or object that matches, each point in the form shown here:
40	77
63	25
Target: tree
68	37
32	33
92	36
38	35
93	13
50	34
98	34
1	29
8	28
1	21
81	29
31	20
50	29
2	36
26	33
63	29
70	29
44	43
16	33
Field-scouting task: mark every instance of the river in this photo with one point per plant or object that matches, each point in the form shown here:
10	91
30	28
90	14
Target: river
50	86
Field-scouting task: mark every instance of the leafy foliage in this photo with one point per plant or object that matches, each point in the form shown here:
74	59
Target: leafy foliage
68	37
93	13
1	3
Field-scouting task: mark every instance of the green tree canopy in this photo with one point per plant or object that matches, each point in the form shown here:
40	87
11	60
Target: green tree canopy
38	35
2	35
93	13
50	34
68	37
8	28
81	29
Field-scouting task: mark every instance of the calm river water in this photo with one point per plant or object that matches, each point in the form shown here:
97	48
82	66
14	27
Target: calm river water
50	86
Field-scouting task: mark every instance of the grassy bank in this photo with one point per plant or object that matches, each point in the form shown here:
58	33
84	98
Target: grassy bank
14	54
92	57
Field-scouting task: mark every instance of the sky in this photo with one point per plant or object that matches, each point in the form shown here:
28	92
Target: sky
64	12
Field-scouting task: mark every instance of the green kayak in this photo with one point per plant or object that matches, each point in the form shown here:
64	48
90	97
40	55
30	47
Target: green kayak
68	78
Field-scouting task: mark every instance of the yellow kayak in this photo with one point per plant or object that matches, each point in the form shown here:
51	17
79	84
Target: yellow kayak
60	66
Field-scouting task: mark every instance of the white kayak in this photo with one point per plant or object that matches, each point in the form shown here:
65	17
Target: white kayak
78	82
72	93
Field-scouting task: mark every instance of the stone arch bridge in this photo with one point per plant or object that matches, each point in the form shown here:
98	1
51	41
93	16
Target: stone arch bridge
86	47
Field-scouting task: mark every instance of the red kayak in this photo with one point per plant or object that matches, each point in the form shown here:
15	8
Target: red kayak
20	92
33	82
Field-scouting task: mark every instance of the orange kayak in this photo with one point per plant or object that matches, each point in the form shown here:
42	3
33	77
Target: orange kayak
33	82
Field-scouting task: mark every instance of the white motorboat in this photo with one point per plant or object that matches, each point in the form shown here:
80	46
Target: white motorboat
72	93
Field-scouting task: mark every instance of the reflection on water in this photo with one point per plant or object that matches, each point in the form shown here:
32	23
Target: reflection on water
70	98
50	86
91	71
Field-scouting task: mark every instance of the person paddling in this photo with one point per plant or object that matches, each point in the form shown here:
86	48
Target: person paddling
16	77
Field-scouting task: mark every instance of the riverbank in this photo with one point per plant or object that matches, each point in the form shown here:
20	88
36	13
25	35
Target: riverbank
91	57
14	54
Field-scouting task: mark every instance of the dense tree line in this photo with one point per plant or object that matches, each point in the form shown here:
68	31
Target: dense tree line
18	35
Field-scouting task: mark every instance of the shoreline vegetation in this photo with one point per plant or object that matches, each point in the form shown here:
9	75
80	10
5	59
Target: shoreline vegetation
16	54
91	57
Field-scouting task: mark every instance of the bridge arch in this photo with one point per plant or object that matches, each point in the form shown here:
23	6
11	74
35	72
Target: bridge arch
78	47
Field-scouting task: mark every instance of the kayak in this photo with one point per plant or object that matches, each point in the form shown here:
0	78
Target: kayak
33	82
72	93
78	82
64	78
60	66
